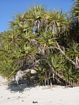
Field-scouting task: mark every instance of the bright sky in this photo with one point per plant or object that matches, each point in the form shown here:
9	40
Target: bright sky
9	8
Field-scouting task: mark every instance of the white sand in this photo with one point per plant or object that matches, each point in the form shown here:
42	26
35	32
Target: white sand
42	95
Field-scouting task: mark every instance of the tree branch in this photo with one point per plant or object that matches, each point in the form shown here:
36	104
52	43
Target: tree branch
69	59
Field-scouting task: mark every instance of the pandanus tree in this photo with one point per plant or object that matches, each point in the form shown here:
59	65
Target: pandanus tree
38	39
75	9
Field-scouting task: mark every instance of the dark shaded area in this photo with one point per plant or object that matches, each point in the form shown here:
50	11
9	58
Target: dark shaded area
13	86
32	82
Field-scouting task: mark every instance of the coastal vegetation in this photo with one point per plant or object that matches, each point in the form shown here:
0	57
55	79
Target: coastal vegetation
44	41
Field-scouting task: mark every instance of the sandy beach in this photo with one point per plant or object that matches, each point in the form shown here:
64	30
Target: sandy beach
39	95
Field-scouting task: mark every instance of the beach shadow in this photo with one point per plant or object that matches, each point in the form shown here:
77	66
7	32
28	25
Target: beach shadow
14	87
